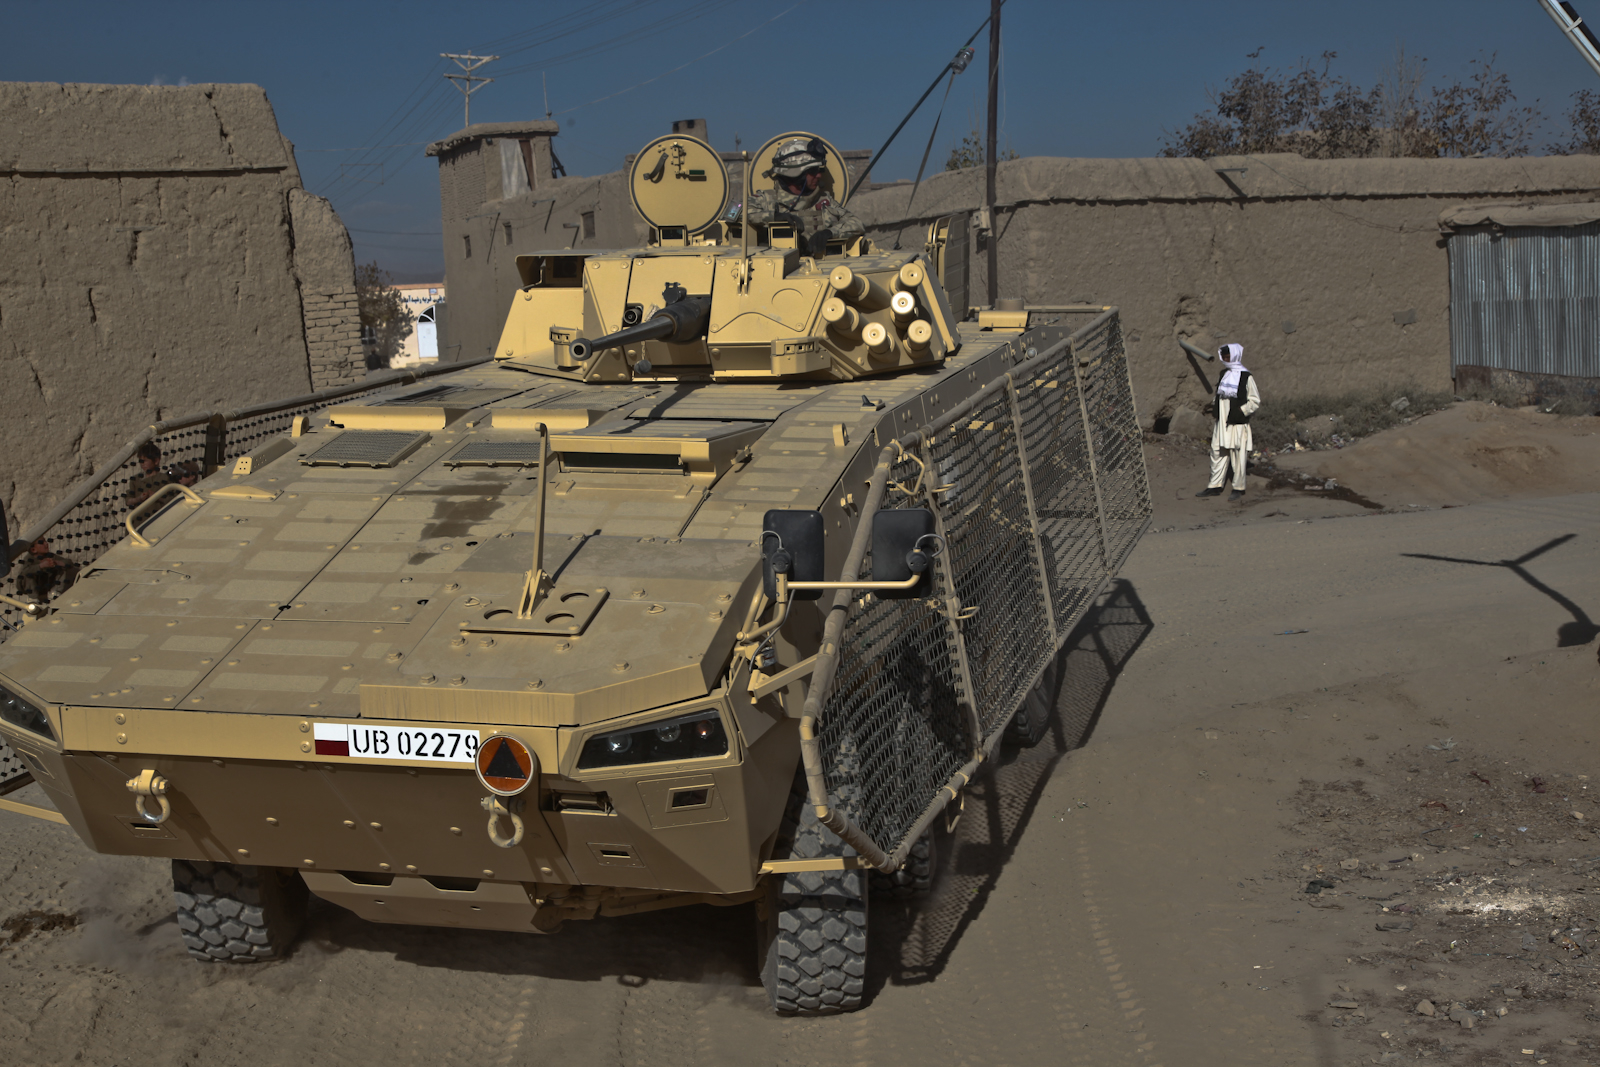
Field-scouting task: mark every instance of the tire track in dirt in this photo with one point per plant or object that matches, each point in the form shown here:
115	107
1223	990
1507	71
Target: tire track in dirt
1124	997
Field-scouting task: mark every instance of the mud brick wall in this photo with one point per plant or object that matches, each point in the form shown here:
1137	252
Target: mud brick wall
158	256
1334	275
333	338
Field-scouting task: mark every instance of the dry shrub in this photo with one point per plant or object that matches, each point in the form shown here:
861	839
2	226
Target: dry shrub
1360	413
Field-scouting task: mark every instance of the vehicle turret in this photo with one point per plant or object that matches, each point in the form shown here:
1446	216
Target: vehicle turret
713	298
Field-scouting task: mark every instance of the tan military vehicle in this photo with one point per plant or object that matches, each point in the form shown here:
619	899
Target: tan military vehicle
716	585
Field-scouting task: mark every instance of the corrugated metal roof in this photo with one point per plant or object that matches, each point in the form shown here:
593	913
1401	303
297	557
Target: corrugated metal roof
1527	299
1503	215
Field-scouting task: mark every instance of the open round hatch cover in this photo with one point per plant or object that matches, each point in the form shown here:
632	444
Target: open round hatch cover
837	181
678	181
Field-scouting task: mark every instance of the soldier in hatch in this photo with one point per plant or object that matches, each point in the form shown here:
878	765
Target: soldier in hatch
43	571
152	475
802	194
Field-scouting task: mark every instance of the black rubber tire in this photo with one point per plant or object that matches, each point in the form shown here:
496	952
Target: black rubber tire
914	878
236	914
814	940
1027	727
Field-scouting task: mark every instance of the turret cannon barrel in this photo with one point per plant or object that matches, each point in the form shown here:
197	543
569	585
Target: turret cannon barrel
680	321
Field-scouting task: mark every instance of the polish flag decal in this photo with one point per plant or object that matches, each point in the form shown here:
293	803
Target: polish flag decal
332	738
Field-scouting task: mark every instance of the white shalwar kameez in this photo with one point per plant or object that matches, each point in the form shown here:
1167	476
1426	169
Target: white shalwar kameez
1232	443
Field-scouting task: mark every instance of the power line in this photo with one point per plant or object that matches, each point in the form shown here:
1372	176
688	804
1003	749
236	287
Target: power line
430	98
422	110
597	14
365	148
691	62
430	119
626	37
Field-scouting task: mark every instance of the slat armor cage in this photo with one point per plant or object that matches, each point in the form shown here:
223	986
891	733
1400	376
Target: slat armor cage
92	517
1039	489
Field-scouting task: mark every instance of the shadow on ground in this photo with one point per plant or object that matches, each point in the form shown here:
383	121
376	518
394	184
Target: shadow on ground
912	942
1580	631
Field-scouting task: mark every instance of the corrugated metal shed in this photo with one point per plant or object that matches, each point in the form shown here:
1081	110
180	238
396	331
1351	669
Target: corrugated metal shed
1526	299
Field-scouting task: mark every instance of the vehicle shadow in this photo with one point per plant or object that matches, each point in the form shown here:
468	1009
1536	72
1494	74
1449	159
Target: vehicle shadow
912	942
692	945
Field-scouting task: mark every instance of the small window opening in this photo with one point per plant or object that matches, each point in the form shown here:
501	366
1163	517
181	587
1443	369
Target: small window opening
507	225
466	246
588	224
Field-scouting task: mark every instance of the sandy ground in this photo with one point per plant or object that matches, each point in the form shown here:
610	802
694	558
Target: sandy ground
1394	706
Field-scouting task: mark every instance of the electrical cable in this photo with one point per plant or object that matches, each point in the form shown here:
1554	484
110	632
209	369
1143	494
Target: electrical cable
913	111
699	10
346	183
691	62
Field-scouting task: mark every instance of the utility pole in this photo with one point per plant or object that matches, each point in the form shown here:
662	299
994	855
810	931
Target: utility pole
989	157
556	169
468	63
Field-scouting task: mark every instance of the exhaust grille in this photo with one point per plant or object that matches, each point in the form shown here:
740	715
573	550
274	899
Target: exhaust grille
497	454
366	448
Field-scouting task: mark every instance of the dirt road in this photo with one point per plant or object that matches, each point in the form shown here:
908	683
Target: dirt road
1365	702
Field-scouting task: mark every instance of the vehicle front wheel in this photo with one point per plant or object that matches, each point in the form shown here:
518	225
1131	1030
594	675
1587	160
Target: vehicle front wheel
237	914
814	937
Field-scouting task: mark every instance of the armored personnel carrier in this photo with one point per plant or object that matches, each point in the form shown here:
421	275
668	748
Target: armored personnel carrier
715	585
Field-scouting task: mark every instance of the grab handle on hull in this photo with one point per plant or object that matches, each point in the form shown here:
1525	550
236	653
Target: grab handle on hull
148	508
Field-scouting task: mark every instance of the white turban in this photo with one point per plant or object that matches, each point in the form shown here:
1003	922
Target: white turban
1232	357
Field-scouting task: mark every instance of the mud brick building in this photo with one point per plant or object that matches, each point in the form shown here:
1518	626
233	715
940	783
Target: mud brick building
158	256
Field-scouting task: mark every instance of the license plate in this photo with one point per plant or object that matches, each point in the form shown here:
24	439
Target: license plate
432	744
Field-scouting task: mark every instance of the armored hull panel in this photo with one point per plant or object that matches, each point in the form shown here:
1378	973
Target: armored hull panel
307	653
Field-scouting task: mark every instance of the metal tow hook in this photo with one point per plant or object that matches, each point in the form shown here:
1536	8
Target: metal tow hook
150	784
496	807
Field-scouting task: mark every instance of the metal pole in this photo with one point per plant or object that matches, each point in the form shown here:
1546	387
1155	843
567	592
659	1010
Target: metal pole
989	152
1580	36
1088	447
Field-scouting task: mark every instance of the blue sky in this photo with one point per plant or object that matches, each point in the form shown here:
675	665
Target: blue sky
1079	79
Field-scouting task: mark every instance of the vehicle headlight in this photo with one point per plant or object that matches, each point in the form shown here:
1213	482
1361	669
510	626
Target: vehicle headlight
22	713
689	736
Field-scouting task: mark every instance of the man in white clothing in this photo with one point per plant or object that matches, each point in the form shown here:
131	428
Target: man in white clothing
1237	400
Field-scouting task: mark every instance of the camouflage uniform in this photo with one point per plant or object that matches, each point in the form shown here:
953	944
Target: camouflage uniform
817	211
142	486
42	572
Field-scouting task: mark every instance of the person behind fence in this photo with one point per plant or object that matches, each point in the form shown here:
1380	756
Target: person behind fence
152	475
1237	400
802	195
44	572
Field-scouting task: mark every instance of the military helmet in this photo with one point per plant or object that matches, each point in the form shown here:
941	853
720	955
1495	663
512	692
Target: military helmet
799	155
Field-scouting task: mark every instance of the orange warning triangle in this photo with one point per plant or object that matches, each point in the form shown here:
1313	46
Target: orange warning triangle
505	765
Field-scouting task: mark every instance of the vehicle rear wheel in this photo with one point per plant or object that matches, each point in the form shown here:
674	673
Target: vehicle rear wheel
1029	724
237	914
814	939
914	878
